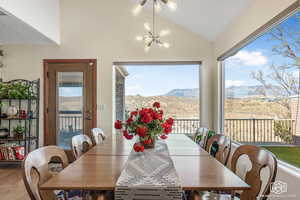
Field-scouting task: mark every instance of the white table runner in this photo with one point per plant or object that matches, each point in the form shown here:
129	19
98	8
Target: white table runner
149	175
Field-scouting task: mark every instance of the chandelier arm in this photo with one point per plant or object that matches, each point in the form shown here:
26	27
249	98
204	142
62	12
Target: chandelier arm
153	19
143	2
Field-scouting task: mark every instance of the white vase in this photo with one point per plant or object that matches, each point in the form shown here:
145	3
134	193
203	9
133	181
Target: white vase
12	111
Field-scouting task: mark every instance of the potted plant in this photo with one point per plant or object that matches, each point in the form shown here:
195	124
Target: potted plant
19	130
148	124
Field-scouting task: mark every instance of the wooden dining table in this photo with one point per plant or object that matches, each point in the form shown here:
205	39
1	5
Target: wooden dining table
101	166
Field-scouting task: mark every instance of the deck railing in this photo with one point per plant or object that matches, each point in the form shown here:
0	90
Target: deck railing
256	130
240	130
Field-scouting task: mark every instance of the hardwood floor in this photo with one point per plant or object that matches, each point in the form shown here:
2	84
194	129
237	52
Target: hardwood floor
11	183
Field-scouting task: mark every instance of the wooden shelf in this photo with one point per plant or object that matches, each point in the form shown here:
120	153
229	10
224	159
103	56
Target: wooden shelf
11	161
18	118
17	139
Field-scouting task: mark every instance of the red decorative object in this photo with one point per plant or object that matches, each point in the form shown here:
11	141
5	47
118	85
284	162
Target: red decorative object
22	114
148	124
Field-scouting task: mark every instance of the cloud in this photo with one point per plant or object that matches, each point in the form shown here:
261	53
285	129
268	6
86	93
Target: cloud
248	58
229	83
133	89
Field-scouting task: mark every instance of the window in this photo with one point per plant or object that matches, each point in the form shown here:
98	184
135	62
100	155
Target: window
176	87
261	92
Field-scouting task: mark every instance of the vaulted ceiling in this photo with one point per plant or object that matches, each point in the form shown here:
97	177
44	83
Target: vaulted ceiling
208	18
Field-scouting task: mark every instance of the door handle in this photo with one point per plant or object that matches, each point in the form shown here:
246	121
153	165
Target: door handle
88	118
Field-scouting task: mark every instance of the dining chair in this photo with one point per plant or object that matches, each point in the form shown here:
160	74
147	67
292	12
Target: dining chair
36	170
98	135
80	145
260	159
219	146
201	137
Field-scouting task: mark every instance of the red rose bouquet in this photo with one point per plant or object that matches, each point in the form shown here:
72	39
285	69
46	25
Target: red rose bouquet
148	124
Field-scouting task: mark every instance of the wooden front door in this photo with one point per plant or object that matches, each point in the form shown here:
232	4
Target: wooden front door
70	101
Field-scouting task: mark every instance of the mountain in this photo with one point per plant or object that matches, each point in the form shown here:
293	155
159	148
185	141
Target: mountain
230	92
187	93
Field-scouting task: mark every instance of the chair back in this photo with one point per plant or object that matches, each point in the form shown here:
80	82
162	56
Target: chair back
201	137
98	135
259	159
38	161
219	146
80	145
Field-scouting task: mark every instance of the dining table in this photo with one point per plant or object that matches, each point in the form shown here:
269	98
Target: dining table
100	167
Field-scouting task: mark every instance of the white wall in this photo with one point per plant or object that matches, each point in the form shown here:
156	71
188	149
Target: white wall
42	15
106	30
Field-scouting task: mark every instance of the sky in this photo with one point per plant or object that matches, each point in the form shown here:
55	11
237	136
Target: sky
153	80
257	55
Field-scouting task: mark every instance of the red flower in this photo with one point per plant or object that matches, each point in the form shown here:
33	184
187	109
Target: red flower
127	135
170	121
142	148
163	137
168	130
143	112
156	105
134	113
156	115
147	118
138	148
118	124
142	131
161	112
149	141
129	120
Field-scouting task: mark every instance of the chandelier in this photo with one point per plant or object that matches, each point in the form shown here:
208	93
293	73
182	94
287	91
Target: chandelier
157	5
152	37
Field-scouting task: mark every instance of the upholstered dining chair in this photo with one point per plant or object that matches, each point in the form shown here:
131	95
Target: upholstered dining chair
201	137
259	160
38	161
80	145
219	146
98	135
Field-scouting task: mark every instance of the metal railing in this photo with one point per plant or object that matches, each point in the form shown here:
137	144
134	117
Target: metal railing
240	130
185	126
256	130
70	121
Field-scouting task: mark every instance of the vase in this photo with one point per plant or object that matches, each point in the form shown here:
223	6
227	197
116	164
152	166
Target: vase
149	145
12	111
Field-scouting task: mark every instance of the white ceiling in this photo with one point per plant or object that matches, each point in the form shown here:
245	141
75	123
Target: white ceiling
15	31
208	18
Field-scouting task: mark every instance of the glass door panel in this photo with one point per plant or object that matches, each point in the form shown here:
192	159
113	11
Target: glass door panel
70	107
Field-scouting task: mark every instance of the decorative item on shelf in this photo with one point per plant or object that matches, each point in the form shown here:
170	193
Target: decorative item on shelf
22	114
12	111
19	130
3	116
152	37
148	124
30	114
4	133
157	4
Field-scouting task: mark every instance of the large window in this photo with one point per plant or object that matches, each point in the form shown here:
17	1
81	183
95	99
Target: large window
261	92
176	87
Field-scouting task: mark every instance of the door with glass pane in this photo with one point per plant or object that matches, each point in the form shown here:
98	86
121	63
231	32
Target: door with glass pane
70	101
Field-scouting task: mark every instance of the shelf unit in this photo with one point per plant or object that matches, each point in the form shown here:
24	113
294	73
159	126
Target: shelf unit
30	139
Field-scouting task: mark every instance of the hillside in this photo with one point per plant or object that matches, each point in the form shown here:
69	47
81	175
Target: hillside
230	92
186	108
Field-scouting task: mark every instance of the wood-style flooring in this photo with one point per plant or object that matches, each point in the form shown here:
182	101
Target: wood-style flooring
11	183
